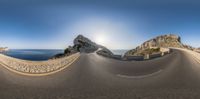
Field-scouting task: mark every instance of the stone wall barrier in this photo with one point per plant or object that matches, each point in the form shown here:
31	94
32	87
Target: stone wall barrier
37	68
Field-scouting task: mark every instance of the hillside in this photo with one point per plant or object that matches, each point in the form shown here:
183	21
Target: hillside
153	45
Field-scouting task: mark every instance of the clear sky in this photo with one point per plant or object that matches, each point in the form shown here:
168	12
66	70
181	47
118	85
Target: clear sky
117	24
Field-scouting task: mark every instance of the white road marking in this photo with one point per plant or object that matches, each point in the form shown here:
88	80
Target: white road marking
137	77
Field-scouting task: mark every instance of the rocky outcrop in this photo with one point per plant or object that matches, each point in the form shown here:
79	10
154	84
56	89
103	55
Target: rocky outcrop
84	45
153	45
3	49
105	52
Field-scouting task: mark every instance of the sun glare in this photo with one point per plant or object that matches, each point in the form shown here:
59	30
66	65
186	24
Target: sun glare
100	39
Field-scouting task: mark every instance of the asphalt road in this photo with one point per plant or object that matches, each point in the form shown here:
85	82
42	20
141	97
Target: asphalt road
174	76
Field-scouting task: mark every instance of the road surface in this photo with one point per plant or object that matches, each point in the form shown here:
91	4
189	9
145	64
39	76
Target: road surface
174	76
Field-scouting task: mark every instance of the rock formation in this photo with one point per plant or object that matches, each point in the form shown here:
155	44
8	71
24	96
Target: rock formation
105	52
154	45
85	45
3	49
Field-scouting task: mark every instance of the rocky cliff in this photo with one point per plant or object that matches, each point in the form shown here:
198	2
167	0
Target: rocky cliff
3	49
153	45
83	44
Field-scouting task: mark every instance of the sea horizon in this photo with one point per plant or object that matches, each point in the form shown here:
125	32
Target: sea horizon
33	54
44	54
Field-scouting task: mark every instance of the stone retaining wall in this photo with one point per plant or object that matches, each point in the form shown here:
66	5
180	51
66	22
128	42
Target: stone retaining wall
37	67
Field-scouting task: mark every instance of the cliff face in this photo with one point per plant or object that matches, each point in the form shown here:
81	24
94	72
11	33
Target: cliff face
3	49
162	41
83	44
154	44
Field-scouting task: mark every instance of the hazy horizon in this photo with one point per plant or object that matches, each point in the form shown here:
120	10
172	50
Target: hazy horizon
115	24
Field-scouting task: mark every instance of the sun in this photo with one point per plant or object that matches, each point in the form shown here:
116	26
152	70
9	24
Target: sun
100	39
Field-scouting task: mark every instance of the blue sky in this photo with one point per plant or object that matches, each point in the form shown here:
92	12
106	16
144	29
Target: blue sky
117	24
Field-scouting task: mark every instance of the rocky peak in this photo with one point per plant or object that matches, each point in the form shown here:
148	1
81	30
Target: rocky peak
84	44
81	39
169	40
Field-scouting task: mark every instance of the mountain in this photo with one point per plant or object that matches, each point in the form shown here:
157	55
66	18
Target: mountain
84	45
153	45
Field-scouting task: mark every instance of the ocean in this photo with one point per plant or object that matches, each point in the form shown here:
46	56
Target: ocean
42	54
33	54
119	52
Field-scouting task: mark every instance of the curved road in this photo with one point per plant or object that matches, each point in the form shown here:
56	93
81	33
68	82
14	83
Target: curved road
174	76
